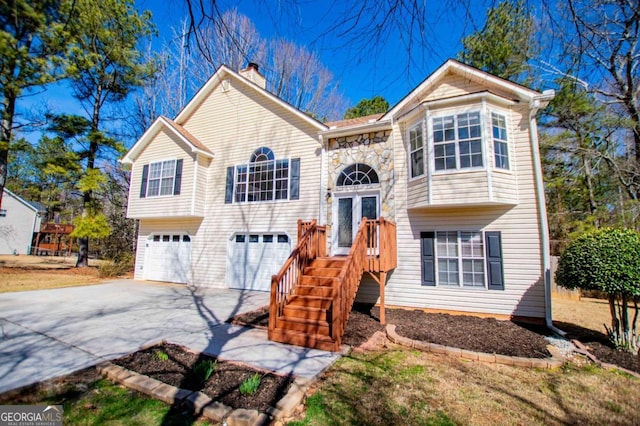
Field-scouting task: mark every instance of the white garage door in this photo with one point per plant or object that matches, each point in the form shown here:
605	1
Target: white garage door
252	258
167	258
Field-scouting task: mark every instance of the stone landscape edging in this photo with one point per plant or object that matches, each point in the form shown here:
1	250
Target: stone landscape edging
553	362
583	350
202	404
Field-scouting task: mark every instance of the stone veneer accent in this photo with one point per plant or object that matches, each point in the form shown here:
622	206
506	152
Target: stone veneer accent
373	149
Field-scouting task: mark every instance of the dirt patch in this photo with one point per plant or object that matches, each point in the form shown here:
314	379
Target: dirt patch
90	271
63	388
177	369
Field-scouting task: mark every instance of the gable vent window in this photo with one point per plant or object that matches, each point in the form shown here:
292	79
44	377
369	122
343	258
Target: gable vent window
264	178
163	178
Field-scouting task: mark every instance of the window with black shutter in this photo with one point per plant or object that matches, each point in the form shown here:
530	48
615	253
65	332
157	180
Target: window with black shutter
428	258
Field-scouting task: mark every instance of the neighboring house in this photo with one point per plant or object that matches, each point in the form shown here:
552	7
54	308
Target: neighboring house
219	189
19	220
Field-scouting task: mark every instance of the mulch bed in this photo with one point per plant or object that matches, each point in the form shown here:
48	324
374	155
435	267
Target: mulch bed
459	331
465	332
600	346
223	385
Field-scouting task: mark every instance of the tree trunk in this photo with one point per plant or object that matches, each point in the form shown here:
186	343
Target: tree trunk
615	323
87	197
83	252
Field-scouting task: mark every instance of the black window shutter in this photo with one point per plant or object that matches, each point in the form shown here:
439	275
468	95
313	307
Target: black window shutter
178	180
494	260
228	195
294	179
428	258
145	177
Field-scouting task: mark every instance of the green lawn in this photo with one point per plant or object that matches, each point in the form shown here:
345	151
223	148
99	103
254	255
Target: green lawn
408	387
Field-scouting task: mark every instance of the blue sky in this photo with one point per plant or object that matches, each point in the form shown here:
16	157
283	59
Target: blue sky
385	69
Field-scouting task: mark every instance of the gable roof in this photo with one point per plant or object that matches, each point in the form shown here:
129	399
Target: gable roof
225	73
33	205
467	71
353	121
175	129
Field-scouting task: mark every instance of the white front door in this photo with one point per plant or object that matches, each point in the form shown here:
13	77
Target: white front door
348	211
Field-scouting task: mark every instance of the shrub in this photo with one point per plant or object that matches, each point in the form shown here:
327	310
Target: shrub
250	385
116	267
607	260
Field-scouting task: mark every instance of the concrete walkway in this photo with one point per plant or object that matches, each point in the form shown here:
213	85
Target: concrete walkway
50	333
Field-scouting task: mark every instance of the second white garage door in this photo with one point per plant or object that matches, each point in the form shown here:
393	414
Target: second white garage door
252	258
168	258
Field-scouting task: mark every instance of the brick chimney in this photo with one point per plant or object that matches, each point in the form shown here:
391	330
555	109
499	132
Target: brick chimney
251	73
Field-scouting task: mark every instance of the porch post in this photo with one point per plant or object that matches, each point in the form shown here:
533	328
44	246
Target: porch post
381	283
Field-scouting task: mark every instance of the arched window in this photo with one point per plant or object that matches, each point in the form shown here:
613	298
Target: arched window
264	178
357	174
262	154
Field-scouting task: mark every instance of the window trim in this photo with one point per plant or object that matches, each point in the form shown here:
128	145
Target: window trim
175	177
275	162
506	141
492	259
422	148
460	259
476	109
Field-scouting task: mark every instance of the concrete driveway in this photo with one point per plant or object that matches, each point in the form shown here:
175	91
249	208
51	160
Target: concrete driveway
50	333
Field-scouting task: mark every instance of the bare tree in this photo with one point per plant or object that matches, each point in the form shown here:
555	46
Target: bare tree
168	90
232	40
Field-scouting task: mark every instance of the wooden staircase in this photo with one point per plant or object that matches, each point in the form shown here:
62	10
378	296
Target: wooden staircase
312	296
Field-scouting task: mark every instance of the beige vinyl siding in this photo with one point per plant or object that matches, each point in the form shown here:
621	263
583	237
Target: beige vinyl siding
199	201
459	188
418	192
234	124
164	146
161	226
504	187
524	288
453	85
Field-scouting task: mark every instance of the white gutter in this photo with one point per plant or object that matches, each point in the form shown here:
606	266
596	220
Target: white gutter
537	103
374	126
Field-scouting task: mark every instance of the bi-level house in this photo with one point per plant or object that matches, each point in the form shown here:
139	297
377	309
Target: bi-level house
437	203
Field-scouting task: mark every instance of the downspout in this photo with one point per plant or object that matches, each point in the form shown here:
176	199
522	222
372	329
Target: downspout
537	103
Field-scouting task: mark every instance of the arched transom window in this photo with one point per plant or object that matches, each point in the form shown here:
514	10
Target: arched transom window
357	174
262	154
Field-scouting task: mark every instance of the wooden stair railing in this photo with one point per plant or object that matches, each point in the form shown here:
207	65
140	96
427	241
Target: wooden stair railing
311	244
312	295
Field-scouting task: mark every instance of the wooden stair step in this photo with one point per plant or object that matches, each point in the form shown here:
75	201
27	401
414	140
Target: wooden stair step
310	301
314	290
303	325
322	272
309	280
315	341
305	312
328	262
